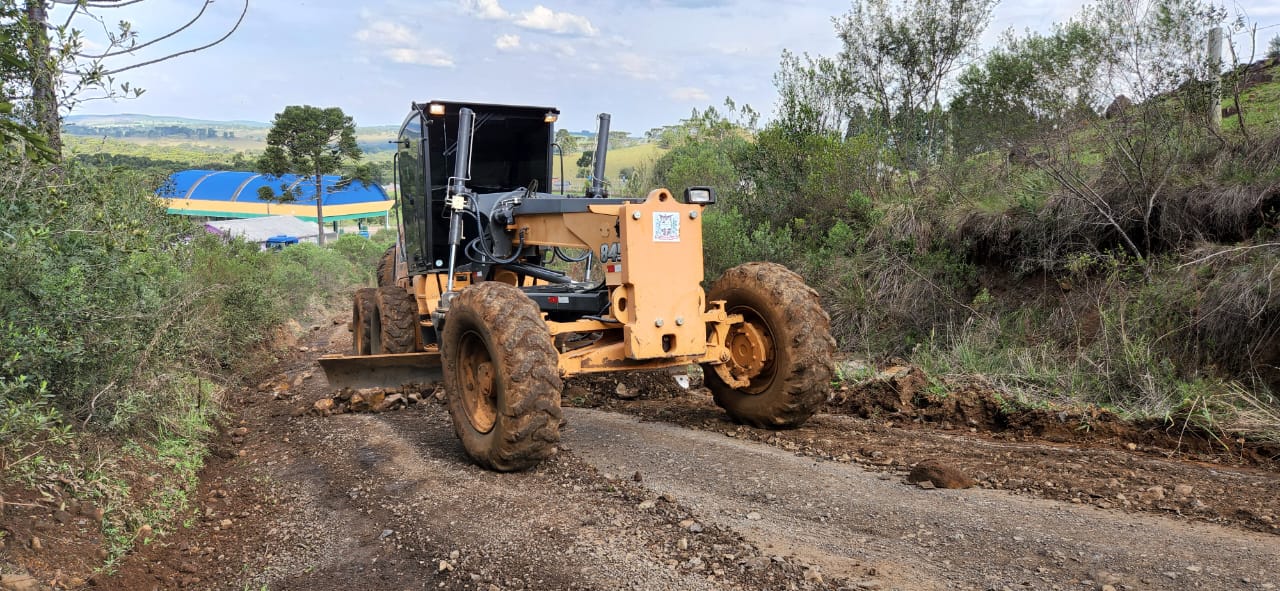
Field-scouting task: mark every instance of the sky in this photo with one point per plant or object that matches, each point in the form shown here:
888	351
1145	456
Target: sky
647	62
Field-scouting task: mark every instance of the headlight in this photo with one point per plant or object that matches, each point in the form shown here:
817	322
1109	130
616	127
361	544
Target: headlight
436	109
699	195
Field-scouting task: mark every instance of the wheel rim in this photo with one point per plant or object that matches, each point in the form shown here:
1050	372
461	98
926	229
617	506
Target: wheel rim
751	351
479	382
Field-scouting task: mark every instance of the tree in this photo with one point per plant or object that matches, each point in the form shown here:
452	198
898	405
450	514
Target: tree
310	142
17	135
1273	48
898	56
52	67
1154	46
567	141
812	95
584	161
1028	84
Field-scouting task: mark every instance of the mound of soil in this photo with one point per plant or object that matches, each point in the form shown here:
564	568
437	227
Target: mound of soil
906	396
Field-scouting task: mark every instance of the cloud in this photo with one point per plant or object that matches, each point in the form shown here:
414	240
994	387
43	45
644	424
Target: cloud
486	9
636	66
507	42
399	44
539	18
542	18
689	94
386	33
417	56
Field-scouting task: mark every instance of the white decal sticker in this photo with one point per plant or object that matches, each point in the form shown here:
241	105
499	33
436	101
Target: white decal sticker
666	226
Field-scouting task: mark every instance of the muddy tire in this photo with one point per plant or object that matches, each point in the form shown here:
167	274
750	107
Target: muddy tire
789	335
396	324
387	268
364	308
502	378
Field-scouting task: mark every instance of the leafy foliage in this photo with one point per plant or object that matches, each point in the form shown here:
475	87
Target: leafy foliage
108	306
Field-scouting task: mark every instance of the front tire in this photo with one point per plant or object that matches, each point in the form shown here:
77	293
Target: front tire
780	356
502	378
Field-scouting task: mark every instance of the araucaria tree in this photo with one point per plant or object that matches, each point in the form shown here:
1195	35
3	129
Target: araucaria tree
310	142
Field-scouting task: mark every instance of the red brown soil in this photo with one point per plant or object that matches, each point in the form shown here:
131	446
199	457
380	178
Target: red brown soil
1081	456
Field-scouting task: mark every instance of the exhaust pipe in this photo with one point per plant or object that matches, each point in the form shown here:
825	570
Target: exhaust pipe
462	151
602	149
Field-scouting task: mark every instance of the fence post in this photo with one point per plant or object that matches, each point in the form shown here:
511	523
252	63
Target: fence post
1215	78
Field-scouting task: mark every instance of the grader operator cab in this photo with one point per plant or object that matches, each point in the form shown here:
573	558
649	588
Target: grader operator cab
504	290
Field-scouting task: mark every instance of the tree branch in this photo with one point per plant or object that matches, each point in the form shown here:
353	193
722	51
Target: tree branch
134	48
192	50
1227	251
98	3
74	9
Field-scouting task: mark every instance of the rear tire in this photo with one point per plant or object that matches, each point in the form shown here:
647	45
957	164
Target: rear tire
397	321
364	308
387	268
785	327
502	378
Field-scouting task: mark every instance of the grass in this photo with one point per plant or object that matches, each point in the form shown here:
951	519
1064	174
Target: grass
635	157
1260	103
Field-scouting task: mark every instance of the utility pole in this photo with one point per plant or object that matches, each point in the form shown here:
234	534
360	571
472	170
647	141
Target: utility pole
320	206
1215	78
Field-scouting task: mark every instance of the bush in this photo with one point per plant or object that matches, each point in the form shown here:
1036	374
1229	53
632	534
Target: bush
728	240
109	306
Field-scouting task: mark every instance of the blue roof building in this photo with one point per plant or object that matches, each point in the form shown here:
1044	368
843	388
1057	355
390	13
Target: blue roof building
234	194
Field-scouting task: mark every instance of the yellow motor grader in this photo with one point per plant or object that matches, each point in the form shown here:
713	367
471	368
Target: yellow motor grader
504	290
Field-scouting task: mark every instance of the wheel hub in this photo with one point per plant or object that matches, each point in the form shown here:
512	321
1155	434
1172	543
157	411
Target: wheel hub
479	392
750	350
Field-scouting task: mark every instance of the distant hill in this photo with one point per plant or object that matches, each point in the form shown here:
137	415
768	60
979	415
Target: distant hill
238	135
132	124
134	119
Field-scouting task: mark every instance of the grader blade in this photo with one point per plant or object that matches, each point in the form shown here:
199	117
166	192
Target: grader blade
382	371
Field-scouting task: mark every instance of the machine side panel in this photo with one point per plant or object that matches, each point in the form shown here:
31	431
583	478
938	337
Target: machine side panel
660	300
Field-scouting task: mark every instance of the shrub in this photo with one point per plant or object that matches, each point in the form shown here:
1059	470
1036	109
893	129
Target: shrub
108	305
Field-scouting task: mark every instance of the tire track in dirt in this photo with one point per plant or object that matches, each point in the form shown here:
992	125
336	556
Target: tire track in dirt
841	516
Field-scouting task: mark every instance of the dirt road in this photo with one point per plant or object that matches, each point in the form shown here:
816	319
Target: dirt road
843	518
388	501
